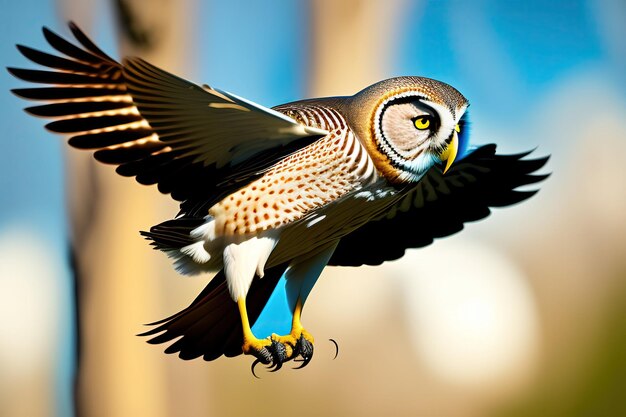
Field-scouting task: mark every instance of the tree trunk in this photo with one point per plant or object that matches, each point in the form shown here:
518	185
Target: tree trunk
120	281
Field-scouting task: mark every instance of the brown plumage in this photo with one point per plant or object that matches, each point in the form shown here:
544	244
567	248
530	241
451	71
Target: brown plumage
277	192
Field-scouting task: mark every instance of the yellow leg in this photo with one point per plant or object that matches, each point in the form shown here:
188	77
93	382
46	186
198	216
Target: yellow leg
251	345
297	331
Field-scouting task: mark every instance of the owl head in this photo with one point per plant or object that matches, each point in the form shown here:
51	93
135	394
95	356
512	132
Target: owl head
409	124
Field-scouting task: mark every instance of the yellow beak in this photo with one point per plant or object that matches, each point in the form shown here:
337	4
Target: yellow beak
449	154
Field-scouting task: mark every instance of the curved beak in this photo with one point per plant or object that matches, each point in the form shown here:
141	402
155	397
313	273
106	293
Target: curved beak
449	154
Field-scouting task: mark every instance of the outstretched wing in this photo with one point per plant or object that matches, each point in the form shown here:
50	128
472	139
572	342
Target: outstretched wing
439	205
155	126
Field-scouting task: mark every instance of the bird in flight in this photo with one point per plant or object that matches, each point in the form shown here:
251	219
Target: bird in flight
270	196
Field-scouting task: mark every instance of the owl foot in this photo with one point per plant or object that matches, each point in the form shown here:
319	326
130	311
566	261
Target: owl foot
299	343
305	351
276	349
259	348
298	348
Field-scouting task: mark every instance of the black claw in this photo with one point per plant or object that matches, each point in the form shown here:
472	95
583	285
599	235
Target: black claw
304	361
278	352
276	366
254	364
275	355
336	348
264	356
305	349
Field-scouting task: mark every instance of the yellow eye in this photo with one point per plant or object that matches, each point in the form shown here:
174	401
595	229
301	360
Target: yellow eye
422	123
457	128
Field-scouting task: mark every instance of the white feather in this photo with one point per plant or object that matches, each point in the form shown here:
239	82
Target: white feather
204	255
242	260
206	230
185	265
197	252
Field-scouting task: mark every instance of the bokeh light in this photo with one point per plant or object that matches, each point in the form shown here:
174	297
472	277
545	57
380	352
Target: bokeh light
472	316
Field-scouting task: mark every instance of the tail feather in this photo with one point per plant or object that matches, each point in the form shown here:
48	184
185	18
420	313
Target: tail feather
173	234
183	240
211	327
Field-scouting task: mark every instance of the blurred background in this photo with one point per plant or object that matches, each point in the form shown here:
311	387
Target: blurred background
522	314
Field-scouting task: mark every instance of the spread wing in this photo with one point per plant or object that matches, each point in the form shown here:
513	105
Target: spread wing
156	126
439	205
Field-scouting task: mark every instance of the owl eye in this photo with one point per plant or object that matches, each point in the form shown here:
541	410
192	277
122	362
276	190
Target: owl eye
422	122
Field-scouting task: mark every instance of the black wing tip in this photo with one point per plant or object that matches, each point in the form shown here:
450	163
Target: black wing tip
79	35
492	147
70	24
542	160
17	73
176	347
488	148
28	52
514	197
158	323
52	37
522	155
526	194
531	166
22	93
48	33
73	26
146	333
156	331
538	177
33	111
22	74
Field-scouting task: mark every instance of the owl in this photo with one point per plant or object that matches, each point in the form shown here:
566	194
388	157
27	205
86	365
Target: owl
270	196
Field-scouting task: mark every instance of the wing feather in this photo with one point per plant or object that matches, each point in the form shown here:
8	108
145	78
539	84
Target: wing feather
189	115
439	205
155	126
